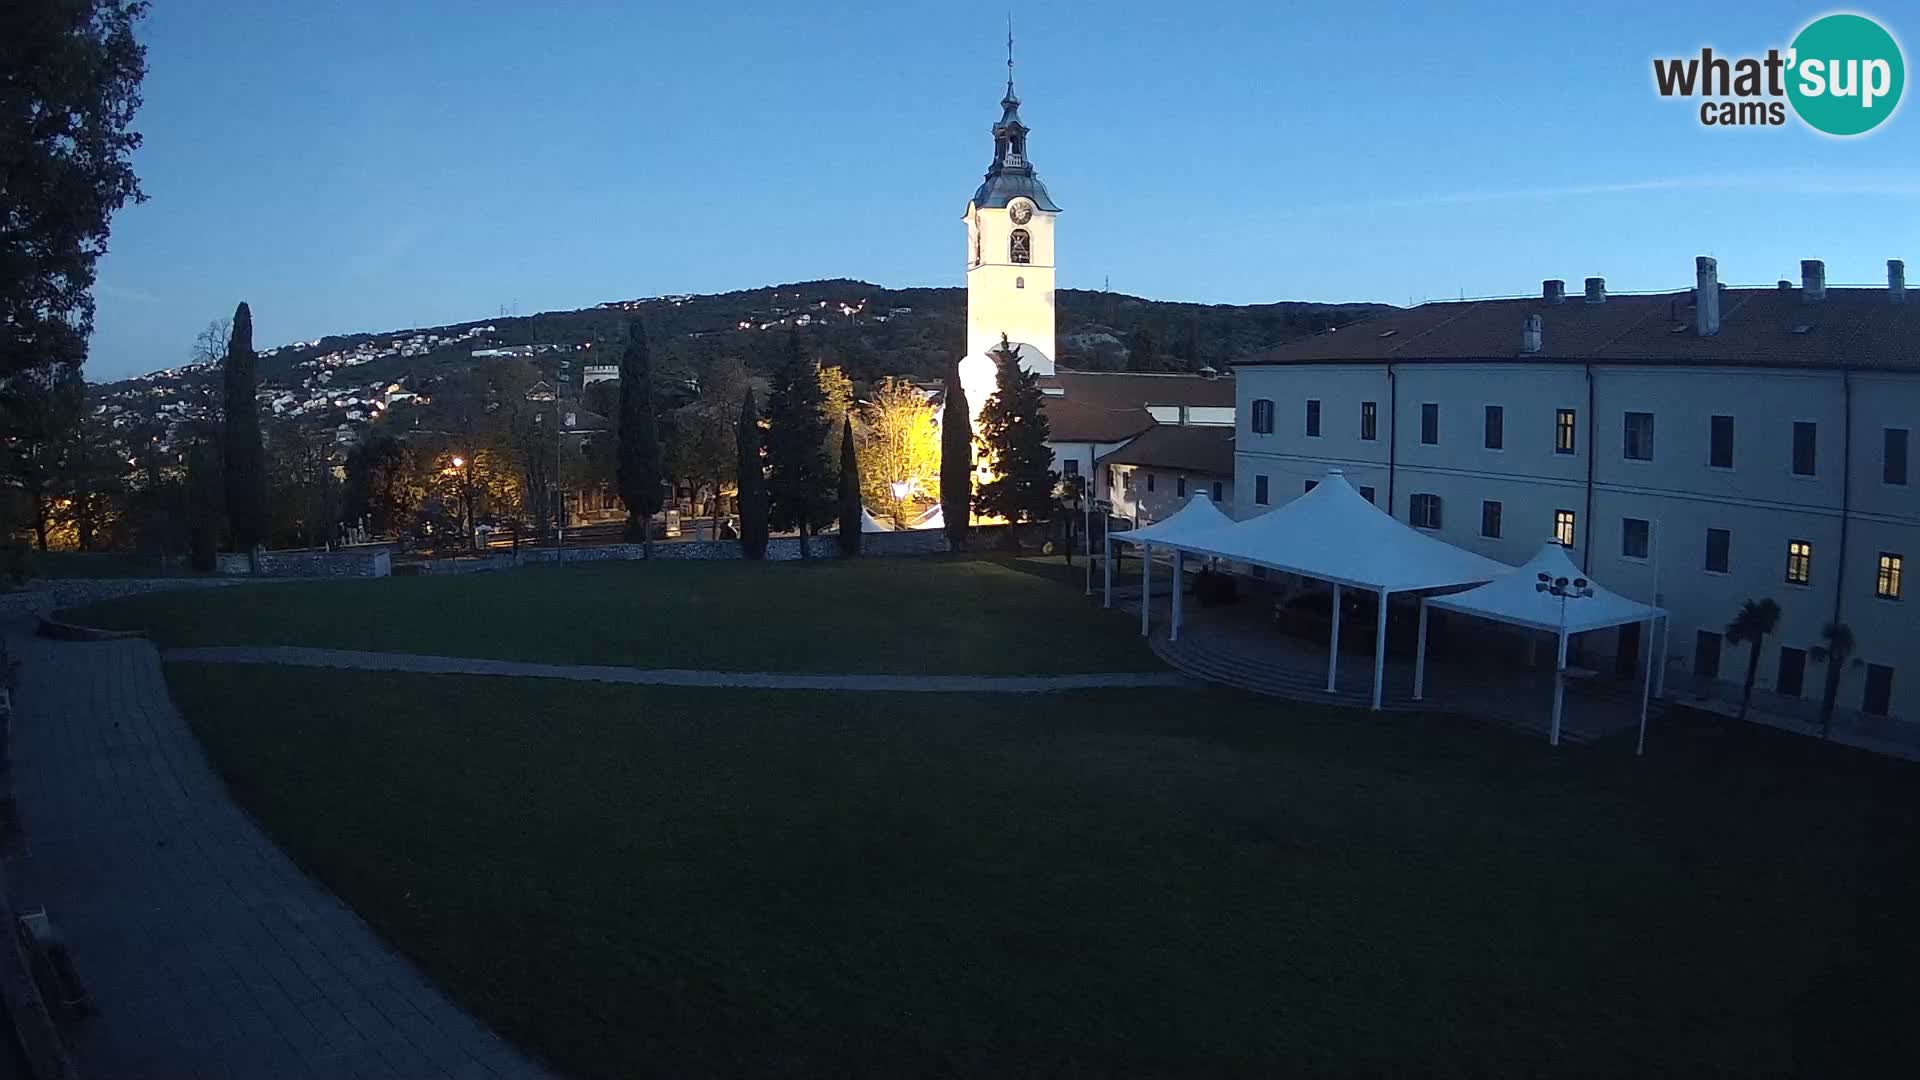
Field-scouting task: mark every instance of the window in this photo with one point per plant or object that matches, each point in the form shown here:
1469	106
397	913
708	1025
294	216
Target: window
1634	534
1149	481
1313	418
1020	247
1070	467
1019	283
1563	527
1720	443
1799	562
1262	416
1706	654
1180	487
1369	421
1793	672
1886	583
1109	478
1496	427
1877	700
1260	491
1490	520
1366	493
1637	443
1719	543
1126	481
1424	510
1311	484
1563	431
1805	438
1219	491
1430	424
1893	462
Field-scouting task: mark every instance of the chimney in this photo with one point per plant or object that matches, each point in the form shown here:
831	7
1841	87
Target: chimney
1813	281
1896	281
1706	296
1530	335
1553	291
1596	290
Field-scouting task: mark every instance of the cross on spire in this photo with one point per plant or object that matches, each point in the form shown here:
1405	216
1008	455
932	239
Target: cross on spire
1009	54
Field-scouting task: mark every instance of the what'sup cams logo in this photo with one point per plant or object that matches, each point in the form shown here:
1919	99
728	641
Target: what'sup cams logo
1842	75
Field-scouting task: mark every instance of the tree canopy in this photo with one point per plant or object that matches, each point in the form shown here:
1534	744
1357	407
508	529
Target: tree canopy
1013	426
800	483
70	73
639	446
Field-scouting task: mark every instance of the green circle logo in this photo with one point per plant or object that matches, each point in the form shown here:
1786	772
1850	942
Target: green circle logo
1846	74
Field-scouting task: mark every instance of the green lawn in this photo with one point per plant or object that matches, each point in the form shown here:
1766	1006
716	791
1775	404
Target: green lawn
910	616
630	880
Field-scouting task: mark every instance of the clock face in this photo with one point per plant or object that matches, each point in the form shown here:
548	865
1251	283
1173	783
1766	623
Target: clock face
1021	211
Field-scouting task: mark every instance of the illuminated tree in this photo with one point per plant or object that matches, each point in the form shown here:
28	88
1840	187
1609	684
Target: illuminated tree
899	439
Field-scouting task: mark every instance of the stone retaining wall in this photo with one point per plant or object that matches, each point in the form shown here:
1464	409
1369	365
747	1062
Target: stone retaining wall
779	549
369	561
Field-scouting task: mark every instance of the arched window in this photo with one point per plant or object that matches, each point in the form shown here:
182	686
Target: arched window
1020	249
1019	283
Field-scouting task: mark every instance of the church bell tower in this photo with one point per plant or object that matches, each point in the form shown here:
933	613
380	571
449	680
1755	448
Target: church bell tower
1010	248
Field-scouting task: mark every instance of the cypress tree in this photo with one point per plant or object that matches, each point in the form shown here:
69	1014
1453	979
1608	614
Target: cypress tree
638	461
800	490
849	491
956	460
245	458
753	482
1013	425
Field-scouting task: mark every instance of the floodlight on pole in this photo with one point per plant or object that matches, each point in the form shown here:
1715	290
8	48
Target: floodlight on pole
1578	588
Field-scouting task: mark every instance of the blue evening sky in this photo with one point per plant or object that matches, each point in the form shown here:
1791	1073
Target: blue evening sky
372	165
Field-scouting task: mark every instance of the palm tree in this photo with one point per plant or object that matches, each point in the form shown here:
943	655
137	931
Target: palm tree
1757	620
1839	646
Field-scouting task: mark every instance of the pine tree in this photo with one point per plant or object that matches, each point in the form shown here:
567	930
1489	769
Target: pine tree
638	460
1013	426
849	491
956	461
246	459
800	490
752	495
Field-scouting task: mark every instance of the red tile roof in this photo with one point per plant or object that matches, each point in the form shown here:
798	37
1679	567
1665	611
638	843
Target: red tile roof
1103	406
1851	327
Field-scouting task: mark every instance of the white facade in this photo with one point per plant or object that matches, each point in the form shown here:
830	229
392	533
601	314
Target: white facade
1145	494
1006	296
1759	501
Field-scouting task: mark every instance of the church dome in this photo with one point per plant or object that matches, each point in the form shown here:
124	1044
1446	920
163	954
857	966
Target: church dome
1002	187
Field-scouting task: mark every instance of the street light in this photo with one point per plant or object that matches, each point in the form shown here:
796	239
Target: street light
1564	588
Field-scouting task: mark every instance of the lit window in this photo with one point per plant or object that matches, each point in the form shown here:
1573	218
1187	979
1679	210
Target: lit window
1020	247
1886	584
1563	527
1262	416
1637	444
1424	510
1799	562
1563	431
1369	420
1490	520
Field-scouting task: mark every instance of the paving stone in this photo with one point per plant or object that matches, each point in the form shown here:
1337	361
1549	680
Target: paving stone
208	952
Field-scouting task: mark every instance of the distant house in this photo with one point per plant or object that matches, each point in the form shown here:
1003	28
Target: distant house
1154	474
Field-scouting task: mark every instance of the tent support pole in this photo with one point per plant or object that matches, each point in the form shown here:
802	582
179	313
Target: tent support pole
1646	688
1146	588
1660	671
1559	688
1333	640
1106	568
1420	655
1173	631
1379	650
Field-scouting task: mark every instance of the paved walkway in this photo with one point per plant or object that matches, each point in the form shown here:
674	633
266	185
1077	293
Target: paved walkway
207	951
299	656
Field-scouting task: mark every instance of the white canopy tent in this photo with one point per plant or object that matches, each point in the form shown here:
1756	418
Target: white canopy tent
1549	593
935	517
1335	534
871	524
1198	516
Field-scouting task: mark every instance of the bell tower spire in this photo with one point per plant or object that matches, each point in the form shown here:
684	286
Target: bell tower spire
1010	249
